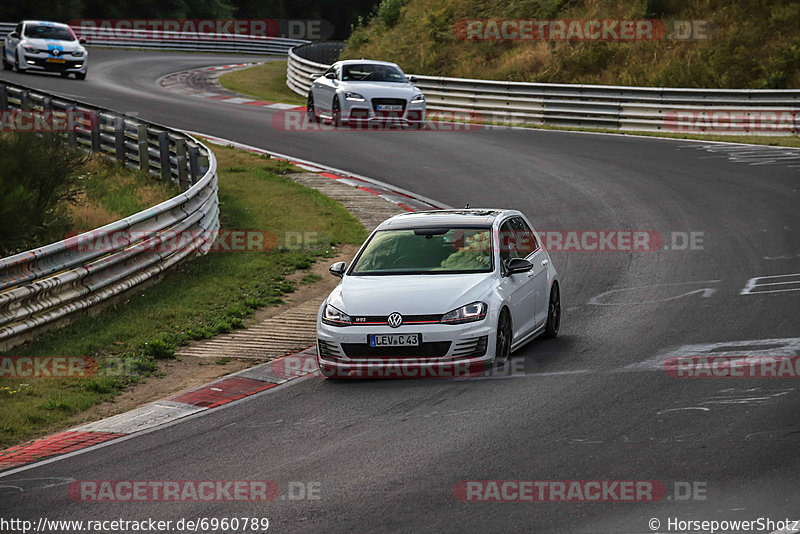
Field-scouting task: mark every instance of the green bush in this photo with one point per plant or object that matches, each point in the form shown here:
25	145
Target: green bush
389	11
159	349
36	175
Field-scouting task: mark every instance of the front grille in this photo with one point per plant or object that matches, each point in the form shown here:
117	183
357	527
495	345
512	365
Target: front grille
473	347
388	101
381	320
431	349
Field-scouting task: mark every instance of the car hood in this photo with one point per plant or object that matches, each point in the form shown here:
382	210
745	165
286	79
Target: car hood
49	44
381	89
409	294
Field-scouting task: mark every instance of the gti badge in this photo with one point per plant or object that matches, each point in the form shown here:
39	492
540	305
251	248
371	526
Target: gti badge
395	320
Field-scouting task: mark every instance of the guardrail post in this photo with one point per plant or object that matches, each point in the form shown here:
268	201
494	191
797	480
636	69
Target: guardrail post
47	104
144	153
96	134
24	100
3	98
163	148
194	163
180	155
119	138
203	163
72	139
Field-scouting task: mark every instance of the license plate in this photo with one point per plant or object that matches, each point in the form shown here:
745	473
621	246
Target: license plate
390	107
56	60
393	340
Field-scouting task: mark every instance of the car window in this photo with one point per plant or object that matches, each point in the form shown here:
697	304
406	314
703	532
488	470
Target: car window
508	243
426	251
526	240
42	31
18	29
372	72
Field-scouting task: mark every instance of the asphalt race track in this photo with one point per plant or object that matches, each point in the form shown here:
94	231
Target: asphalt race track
387	454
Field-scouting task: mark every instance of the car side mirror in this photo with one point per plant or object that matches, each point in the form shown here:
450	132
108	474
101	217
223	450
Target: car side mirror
14	35
411	79
518	265
338	268
82	41
331	75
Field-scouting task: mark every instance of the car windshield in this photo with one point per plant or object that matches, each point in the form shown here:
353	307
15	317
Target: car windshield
41	31
426	251
372	72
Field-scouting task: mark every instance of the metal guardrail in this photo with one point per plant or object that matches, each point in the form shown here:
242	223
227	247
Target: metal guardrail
46	284
592	106
200	42
310	59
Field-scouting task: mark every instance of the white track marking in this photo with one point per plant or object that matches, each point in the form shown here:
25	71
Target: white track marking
779	283
704	292
789	346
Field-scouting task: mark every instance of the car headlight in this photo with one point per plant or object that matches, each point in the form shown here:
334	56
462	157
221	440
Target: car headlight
466	314
418	98
354	97
30	49
77	53
334	317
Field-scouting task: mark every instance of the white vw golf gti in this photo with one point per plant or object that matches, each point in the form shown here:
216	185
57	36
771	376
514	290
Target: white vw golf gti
363	92
438	288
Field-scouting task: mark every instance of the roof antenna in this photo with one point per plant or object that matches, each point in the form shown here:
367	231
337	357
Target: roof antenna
467	206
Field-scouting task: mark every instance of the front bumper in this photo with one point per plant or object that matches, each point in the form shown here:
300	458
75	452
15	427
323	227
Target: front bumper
354	112
45	63
445	351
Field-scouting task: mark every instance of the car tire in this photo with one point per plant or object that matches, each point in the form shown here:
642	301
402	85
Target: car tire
553	323
16	64
336	113
65	74
6	64
311	113
504	334
80	75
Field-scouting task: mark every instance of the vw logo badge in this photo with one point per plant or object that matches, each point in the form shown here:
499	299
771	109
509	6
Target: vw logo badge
395	320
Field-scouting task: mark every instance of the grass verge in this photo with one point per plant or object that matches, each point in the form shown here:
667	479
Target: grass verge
206	296
266	82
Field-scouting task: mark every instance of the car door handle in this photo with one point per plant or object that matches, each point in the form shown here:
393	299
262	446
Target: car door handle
545	262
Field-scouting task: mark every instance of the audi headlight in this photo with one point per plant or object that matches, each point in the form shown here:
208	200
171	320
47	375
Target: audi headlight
418	98
466	314
354	97
334	317
30	49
